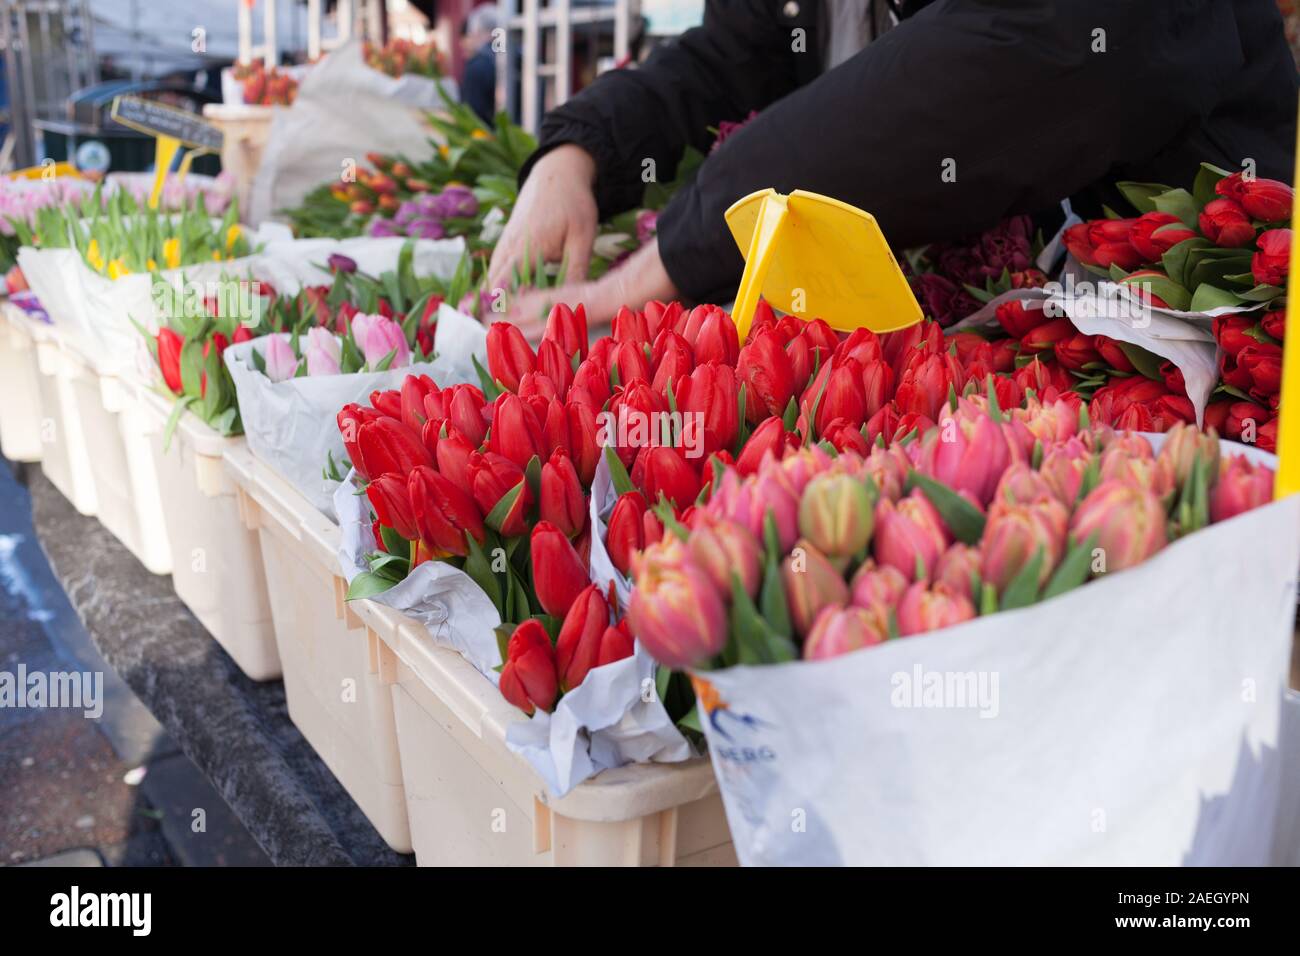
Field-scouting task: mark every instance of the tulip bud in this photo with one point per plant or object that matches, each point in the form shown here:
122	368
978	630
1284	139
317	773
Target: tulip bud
578	643
278	358
528	678
811	583
840	630
721	548
1129	521
516	432
1015	534
1063	469
908	531
769	437
508	354
392	505
765	369
968	452
877	586
1226	224
675	611
322	352
1183	445
452	451
169	358
709	394
923	609
559	575
668	473
444	514
625	534
491	477
563	502
378	337
888	468
835	515
554	364
956	567
386	446
568	329
1241	487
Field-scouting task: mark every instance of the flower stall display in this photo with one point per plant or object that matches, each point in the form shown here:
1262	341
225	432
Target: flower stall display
403	57
260	85
926	613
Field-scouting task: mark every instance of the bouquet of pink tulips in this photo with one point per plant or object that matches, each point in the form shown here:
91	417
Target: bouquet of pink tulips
819	554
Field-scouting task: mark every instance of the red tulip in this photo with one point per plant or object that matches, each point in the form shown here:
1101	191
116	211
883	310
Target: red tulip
629	326
392	505
1155	233
717	340
555	365
578	645
1271	264
444	514
350	419
635	414
769	436
846	436
1264	199
581	441
1045	336
625	534
1018	318
923	390
559	575
528	678
1226	224
710	396
668	473
465	410
659	316
1274	324
1109	351
412	394
1262	361
242	333
516	432
490	478
673	361
508	354
388	402
590	384
568	329
801	356
562	501
1076	351
631	362
386	446
169	358
768	375
452	452
841	396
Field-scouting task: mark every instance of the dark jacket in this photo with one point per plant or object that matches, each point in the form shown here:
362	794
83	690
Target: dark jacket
1012	90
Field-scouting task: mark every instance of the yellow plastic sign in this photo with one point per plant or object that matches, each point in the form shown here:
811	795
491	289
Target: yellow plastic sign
48	170
813	256
1287	480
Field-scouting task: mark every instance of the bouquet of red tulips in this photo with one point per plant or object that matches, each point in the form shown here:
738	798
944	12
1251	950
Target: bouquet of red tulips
1250	369
820	555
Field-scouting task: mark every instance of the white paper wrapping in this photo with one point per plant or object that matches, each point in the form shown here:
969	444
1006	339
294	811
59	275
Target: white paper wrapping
292	425
1134	720
343	110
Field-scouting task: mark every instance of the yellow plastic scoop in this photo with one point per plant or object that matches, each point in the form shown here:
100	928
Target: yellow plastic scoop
813	256
1287	479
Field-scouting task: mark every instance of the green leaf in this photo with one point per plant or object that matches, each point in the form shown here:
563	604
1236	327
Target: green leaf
662	676
1180	203
1074	568
393	542
533	475
775	608
1023	589
1145	362
491	390
963	519
1207	297
988	599
1262	293
173	419
501	510
1207	177
368	584
790	418
1166	289
617	473
1141	196
479	568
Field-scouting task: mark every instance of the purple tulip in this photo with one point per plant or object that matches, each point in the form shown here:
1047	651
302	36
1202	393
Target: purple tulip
381	228
425	229
338	262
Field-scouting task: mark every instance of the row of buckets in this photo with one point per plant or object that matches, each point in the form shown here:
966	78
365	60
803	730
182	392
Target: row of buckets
411	730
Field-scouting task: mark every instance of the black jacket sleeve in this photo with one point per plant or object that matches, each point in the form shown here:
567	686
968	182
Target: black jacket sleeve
1025	102
740	59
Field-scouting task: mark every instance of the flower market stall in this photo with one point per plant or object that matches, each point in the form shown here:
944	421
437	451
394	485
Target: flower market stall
982	552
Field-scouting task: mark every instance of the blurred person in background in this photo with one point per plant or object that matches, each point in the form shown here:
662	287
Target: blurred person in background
478	88
870	101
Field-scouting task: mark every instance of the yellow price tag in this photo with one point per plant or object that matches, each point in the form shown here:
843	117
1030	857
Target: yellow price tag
813	256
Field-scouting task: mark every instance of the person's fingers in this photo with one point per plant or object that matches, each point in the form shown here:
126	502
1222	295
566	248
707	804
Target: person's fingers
504	257
577	251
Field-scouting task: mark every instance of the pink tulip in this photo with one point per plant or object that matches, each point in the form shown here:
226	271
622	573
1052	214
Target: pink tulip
968	451
721	548
378	335
877	586
281	363
835	514
1020	485
811	584
1183	445
676	612
1016	534
839	630
909	530
955	568
1063	468
747	501
1124	460
925	609
1129	522
322	352
1241	487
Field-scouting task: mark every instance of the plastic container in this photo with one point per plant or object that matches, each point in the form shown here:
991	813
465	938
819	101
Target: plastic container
20	392
473	802
65	458
330	661
246	129
125	482
216	562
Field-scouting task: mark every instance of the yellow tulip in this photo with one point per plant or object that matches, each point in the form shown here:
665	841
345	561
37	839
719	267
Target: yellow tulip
172	253
480	134
232	236
153	265
93	256
117	268
444	150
